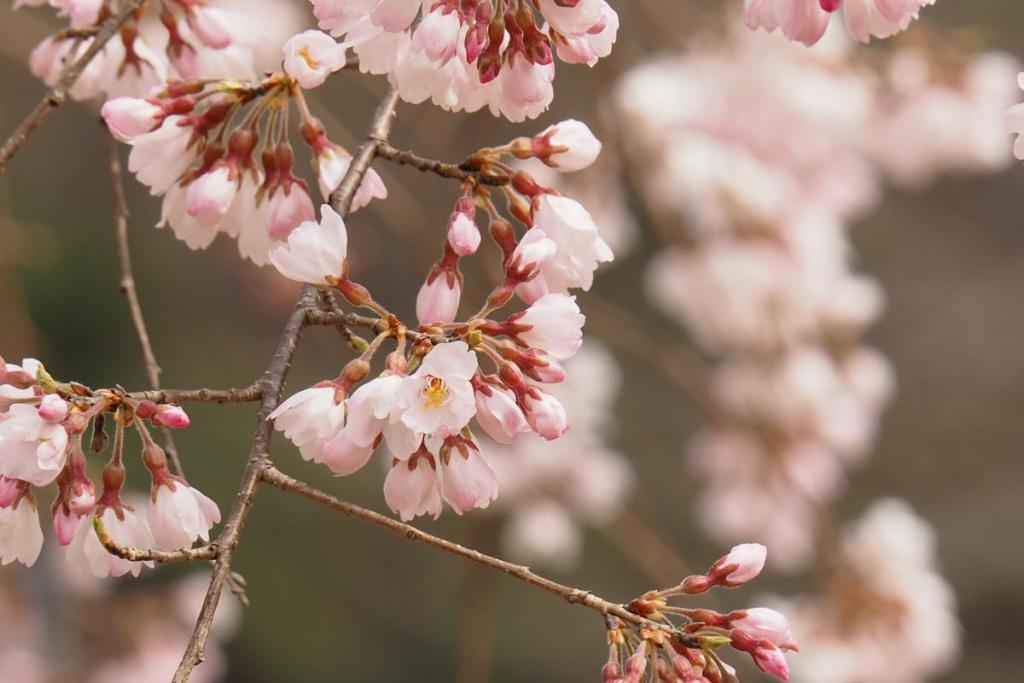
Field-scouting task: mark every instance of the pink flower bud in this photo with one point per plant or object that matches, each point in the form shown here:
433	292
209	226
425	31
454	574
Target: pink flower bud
82	499
534	249
53	408
763	623
290	206
568	146
437	34
771	660
438	300
209	197
546	415
65	525
128	117
498	414
742	564
463	235
211	25
8	491
172	417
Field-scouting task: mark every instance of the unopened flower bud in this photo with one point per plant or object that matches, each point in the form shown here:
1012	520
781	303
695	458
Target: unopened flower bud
568	146
172	417
52	408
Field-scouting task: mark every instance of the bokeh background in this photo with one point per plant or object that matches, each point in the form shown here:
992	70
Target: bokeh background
334	599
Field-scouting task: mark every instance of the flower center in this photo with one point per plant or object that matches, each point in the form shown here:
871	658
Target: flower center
435	393
312	63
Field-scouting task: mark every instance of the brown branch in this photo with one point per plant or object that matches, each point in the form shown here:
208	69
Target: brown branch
273	385
69	76
574	596
203	552
131	293
440	168
250	393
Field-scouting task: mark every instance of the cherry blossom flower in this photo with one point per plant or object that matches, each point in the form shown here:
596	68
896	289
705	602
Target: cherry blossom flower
21	537
438	398
32	448
310	418
805	21
411	487
314	252
579	247
553	324
311	57
466	480
126	528
180	514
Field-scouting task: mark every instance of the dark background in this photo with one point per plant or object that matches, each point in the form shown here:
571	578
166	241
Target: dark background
337	600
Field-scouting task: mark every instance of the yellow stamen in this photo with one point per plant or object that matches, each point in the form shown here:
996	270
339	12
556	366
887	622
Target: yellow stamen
304	53
435	394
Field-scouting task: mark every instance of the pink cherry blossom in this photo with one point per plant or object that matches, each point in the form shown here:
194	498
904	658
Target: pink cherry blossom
212	25
580	248
438	398
31	448
467	481
314	252
764	623
309	419
553	324
311	57
180	514
411	487
172	417
545	414
126	528
498	414
21	537
159	158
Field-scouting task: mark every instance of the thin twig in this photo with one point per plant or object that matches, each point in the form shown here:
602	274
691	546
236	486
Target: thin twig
131	293
574	596
273	385
67	80
441	168
247	395
204	552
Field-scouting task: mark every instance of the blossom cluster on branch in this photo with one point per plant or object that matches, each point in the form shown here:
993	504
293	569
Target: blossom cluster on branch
754	155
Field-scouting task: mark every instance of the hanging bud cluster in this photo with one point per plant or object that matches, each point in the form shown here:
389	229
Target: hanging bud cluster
683	645
220	155
43	424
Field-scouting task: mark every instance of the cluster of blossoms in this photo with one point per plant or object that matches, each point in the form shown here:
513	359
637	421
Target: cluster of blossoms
764	180
688	653
470	54
430	391
551	489
42	425
806	20
218	177
150	628
183	39
886	612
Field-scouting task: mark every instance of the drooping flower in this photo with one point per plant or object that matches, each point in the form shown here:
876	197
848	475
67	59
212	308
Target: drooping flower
579	247
314	253
21	537
309	419
126	529
32	448
180	514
